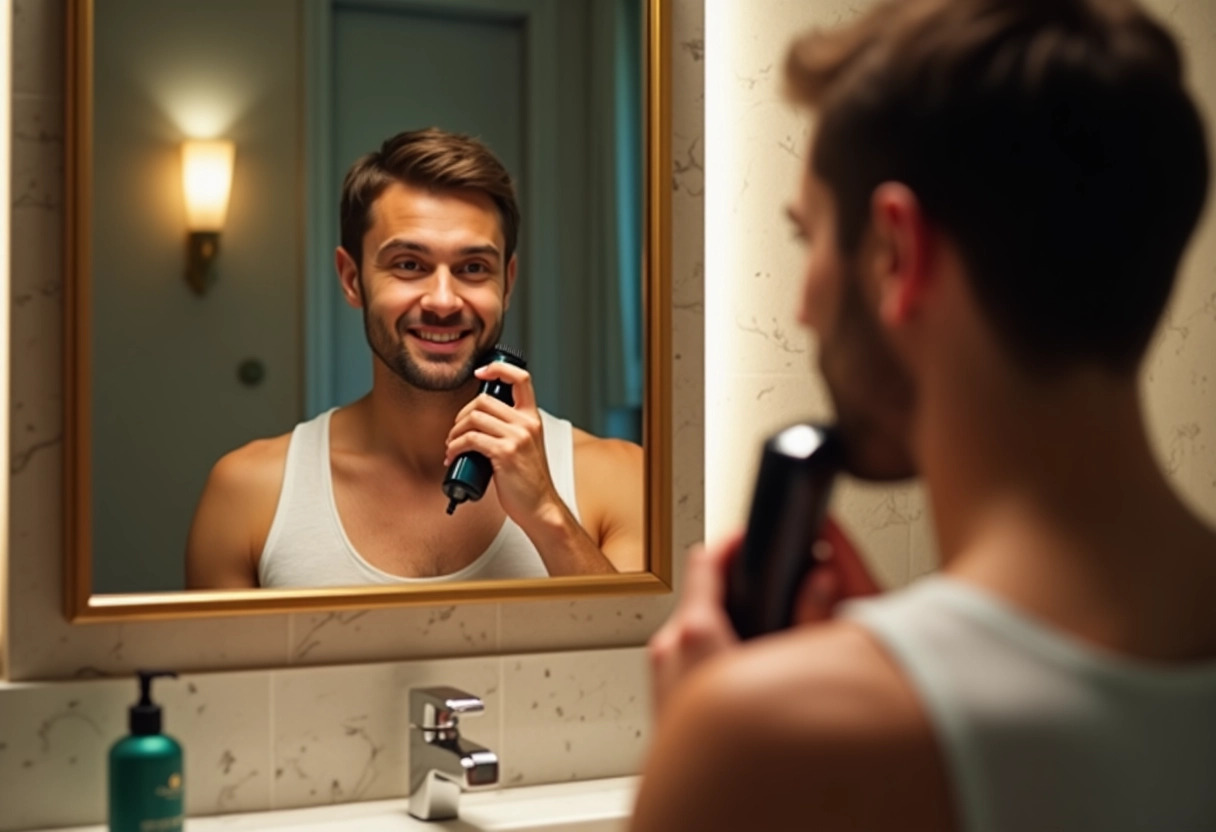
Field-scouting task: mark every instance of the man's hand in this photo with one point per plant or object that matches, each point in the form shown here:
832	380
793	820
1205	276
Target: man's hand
840	575
512	439
514	442
699	628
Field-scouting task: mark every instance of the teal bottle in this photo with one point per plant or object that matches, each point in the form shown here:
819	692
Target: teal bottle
145	774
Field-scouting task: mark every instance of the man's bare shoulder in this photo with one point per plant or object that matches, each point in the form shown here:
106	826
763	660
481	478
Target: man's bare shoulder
819	721
606	453
609	480
234	515
253	468
830	677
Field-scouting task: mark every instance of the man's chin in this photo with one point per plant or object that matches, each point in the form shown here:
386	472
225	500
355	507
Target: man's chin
441	381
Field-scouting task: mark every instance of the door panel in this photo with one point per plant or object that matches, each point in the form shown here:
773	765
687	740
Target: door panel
422	79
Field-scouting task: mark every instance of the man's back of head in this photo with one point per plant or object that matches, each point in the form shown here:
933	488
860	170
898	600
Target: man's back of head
1053	140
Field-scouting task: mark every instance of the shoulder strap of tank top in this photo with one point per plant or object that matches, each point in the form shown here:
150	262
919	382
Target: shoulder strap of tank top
303	496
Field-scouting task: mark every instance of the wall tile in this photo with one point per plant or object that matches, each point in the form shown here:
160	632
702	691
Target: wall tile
586	624
54	742
750	408
37	172
53	747
223	720
38	71
342	733
881	520
574	716
924	556
383	635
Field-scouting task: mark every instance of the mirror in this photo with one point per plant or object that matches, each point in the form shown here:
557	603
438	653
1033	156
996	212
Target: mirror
194	338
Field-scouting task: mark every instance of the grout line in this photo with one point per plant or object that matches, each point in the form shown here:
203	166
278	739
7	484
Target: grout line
502	717
289	639
272	721
498	629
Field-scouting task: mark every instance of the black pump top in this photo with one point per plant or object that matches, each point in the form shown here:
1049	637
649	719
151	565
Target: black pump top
145	719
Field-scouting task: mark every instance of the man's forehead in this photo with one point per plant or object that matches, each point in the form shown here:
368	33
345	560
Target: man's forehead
451	210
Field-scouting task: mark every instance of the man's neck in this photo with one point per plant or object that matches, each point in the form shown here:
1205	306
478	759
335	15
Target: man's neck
1064	453
409	425
1049	494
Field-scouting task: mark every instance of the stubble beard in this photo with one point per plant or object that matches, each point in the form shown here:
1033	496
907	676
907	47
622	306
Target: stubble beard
390	347
871	391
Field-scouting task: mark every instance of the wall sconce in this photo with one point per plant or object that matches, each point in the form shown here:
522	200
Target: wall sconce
206	182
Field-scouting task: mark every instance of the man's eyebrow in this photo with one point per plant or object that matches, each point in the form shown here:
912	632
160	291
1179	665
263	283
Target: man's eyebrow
421	248
490	250
408	245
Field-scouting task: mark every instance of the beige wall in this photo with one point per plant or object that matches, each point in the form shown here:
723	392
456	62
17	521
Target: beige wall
760	358
326	725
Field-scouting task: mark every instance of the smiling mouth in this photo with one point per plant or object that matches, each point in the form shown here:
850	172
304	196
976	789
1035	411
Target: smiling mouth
439	337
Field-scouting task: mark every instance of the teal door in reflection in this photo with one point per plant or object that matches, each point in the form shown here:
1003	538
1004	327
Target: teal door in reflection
397	69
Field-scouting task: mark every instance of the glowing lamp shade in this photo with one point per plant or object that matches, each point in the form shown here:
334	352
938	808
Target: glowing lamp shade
206	182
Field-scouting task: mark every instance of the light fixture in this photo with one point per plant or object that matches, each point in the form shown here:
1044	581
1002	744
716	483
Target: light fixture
206	182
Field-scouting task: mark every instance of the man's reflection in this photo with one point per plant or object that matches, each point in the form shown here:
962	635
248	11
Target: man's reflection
353	496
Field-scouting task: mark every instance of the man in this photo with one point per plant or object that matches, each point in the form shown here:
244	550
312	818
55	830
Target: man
354	496
997	197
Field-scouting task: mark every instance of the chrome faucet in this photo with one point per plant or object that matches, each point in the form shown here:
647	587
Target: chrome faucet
442	763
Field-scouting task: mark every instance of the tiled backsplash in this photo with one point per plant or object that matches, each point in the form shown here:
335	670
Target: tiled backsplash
259	740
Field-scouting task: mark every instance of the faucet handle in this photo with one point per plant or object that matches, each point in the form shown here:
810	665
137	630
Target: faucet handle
438	708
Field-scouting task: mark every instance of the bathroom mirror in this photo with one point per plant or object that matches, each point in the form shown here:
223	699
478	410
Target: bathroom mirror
188	337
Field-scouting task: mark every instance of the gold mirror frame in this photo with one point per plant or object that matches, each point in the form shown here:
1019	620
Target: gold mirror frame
81	605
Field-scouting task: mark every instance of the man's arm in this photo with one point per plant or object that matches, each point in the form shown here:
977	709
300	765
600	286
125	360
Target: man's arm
609	481
233	517
811	729
814	727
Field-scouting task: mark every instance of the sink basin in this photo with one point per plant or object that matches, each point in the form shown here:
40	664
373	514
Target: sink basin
583	806
588	806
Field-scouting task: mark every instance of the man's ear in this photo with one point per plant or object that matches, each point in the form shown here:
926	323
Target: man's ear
509	281
348	277
904	240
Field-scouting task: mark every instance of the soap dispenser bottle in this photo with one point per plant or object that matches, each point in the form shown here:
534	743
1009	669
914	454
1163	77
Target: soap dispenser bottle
145	774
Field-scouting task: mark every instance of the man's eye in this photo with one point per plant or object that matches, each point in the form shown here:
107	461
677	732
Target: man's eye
407	265
476	268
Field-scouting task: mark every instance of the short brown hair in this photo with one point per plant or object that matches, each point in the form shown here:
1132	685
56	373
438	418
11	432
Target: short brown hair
433	159
1053	140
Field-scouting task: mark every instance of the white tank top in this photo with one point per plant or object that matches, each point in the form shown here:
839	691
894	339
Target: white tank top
1041	732
307	546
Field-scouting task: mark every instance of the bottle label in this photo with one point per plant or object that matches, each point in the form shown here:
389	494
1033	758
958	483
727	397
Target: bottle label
172	788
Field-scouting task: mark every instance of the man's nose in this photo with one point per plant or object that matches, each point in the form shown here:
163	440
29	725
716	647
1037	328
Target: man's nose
441	296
